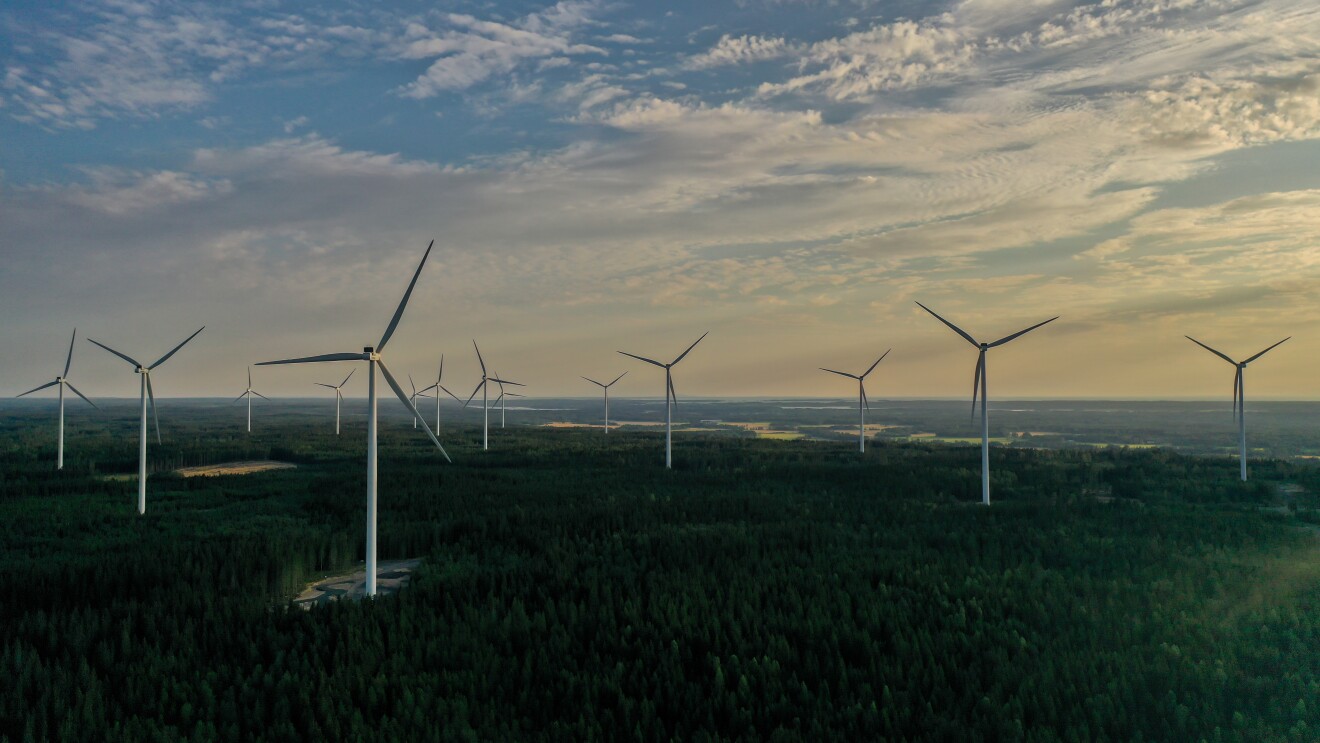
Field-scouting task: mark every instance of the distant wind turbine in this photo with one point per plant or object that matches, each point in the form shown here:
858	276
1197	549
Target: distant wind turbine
485	407
63	381
500	399
979	383
146	394
1239	396
606	388
248	394
862	403
671	398
339	396
437	387
373	357
413	399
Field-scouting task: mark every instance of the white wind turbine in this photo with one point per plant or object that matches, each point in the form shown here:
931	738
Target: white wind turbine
373	357
1239	396
437	387
413	399
862	403
248	394
146	394
671	398
339	396
481	387
500	400
606	388
63	381
979	384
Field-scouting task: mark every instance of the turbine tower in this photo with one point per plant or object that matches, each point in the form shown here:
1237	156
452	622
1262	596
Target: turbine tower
248	394
606	387
1239	396
372	355
339	396
438	387
979	384
862	403
671	398
63	381
481	387
146	394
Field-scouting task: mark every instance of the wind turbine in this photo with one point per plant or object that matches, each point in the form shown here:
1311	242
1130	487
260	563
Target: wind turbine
979	384
146	394
862	403
413	399
339	396
500	399
1239	396
671	397
503	395
438	387
481	387
606	387
373	357
248	394
63	381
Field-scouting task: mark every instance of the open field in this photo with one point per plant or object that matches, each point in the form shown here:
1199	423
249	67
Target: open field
233	468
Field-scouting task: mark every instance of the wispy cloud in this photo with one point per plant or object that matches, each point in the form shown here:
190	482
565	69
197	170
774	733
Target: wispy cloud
470	50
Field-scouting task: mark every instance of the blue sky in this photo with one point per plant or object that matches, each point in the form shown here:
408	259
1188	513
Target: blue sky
607	175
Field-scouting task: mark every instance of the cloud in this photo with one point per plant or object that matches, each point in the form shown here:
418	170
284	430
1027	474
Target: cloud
471	51
730	50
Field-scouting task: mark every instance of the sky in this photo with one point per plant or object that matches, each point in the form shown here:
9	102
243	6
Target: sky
790	175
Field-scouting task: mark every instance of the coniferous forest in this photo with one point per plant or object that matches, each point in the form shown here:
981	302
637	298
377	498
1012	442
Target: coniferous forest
575	590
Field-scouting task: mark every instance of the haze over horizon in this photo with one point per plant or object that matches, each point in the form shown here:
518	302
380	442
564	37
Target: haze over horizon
604	176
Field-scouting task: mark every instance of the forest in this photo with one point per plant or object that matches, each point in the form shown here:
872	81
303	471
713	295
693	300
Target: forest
574	590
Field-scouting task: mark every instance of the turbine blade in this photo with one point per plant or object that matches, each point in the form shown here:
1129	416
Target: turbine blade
862	384
69	361
323	357
249	376
403	398
673	394
955	328
152	397
1211	350
496	401
643	358
38	389
842	374
129	359
411	384
621	376
976	381
84	397
328	386
589	379
1008	338
877	363
240	397
447	392
425	390
479	359
1237	386
505	381
162	359
398	313
1248	361
441	375
258	394
341	384
689	348
474	392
